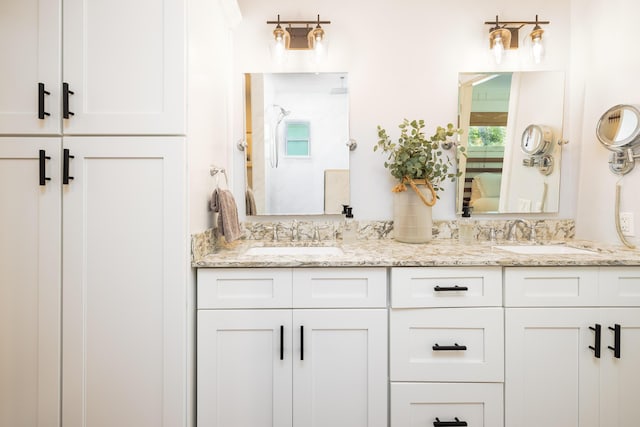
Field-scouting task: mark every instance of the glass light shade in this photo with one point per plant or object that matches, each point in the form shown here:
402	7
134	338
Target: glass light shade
499	40
537	45
317	40
279	45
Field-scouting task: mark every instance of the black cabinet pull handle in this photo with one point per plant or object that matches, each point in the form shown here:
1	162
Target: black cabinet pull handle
616	340
65	100
281	342
457	422
596	344
43	173
41	93
450	288
454	347
301	342
65	166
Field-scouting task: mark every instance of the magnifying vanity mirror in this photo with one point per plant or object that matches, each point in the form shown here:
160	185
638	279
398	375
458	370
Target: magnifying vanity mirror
297	151
512	130
619	131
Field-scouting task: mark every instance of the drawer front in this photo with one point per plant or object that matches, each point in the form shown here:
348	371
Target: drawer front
244	288
619	286
456	344
340	288
423	405
551	287
446	287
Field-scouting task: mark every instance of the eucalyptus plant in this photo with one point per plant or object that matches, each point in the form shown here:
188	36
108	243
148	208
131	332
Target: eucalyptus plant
414	156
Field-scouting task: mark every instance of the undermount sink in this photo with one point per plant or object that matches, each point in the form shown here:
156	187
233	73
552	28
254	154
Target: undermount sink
295	250
544	249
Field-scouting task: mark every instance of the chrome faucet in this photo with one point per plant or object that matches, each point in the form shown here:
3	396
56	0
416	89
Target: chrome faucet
295	230
316	234
275	232
511	235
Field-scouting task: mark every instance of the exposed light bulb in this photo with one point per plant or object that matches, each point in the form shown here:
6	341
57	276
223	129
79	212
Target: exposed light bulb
537	49
279	45
498	49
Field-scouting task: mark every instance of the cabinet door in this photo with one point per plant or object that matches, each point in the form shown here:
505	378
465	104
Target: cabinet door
340	368
244	368
124	293
620	377
30	50
551	374
124	61
30	253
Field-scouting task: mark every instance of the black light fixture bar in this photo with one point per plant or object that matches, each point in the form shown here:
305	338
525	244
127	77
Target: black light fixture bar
304	22
497	22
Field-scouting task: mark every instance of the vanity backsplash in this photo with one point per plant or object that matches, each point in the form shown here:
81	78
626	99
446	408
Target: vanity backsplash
328	231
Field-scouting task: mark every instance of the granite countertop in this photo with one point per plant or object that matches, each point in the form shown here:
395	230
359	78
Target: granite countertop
443	252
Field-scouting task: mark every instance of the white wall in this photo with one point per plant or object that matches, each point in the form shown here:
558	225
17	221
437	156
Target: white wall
611	67
209	79
403	59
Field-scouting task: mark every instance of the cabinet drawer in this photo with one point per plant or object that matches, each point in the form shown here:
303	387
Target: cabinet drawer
244	288
447	344
418	405
436	287
340	287
619	286
551	287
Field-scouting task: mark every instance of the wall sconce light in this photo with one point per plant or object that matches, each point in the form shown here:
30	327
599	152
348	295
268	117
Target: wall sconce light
504	35
299	35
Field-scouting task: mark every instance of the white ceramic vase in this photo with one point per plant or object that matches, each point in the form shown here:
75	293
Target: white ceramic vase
412	222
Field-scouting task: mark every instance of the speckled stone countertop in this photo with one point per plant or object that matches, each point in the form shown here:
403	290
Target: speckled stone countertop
390	253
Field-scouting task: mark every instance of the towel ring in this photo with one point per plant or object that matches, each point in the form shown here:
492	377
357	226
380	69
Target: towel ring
215	170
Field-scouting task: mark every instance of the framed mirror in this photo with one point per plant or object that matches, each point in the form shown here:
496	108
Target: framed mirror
296	133
512	122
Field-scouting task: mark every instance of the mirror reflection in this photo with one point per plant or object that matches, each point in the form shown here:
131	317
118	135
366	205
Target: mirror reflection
297	129
506	170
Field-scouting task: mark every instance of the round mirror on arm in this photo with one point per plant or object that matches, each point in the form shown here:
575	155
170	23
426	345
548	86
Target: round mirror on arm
619	127
536	140
618	130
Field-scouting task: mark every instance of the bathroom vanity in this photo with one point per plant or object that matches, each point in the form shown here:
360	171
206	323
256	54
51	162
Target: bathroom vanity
459	335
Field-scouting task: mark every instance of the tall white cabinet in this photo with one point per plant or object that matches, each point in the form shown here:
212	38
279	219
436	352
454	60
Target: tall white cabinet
114	67
30	283
123	298
94	237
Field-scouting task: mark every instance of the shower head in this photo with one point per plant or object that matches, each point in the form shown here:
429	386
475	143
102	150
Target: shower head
282	110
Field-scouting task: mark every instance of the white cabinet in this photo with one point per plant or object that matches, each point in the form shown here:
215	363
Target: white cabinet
446	346
124	293
339	368
283	367
551	375
30	256
31	47
113	68
244	368
572	365
446	404
119	247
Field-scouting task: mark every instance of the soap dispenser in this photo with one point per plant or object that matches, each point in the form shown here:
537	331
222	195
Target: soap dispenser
349	229
465	226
